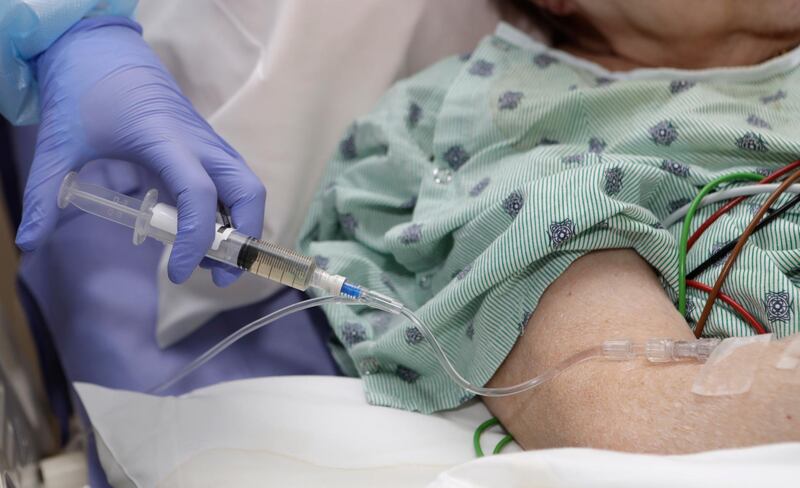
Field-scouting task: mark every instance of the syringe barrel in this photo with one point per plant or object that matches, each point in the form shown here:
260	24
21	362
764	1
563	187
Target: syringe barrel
265	259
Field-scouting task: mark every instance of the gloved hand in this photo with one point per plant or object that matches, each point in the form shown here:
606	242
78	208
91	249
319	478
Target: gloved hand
104	94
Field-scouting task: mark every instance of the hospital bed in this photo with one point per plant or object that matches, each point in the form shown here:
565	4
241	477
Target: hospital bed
267	99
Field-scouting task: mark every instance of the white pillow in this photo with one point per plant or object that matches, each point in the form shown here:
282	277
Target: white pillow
279	431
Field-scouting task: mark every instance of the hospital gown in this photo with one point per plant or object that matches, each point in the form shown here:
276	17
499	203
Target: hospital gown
473	185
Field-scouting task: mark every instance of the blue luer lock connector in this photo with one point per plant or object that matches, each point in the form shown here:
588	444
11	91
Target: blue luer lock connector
353	291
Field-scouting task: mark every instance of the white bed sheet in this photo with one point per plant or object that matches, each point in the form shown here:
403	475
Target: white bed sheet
319	431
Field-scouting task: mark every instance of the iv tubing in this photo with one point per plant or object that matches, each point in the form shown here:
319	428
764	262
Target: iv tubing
148	218
247	329
591	353
441	356
656	350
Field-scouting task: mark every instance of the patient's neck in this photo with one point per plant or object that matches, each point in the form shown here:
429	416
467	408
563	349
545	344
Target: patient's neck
626	49
701	57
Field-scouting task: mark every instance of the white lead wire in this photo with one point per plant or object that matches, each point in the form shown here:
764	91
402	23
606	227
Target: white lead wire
732	193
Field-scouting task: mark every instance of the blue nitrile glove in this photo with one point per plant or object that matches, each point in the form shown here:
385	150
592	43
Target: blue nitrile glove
104	94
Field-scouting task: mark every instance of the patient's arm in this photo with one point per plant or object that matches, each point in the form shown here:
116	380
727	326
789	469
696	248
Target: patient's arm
632	406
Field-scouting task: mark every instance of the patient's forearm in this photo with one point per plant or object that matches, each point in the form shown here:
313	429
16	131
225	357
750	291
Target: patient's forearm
632	406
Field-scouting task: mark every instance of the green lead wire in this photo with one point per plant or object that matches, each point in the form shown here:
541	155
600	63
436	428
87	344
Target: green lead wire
503	443
687	222
476	438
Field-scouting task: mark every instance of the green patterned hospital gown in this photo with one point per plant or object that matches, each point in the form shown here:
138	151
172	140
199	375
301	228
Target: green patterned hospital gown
473	185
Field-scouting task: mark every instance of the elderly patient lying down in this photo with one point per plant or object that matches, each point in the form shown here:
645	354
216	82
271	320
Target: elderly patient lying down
514	197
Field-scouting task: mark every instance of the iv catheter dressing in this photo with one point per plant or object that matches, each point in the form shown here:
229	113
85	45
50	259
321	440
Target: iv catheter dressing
148	218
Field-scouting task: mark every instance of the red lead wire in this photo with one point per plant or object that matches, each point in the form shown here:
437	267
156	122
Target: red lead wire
725	298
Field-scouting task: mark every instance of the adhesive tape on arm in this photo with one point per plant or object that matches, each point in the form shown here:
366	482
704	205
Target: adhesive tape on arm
724	373
790	360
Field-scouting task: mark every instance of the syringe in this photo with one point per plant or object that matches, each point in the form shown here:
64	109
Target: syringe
148	218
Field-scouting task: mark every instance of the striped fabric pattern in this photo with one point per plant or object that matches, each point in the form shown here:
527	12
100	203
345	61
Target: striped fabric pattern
476	183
